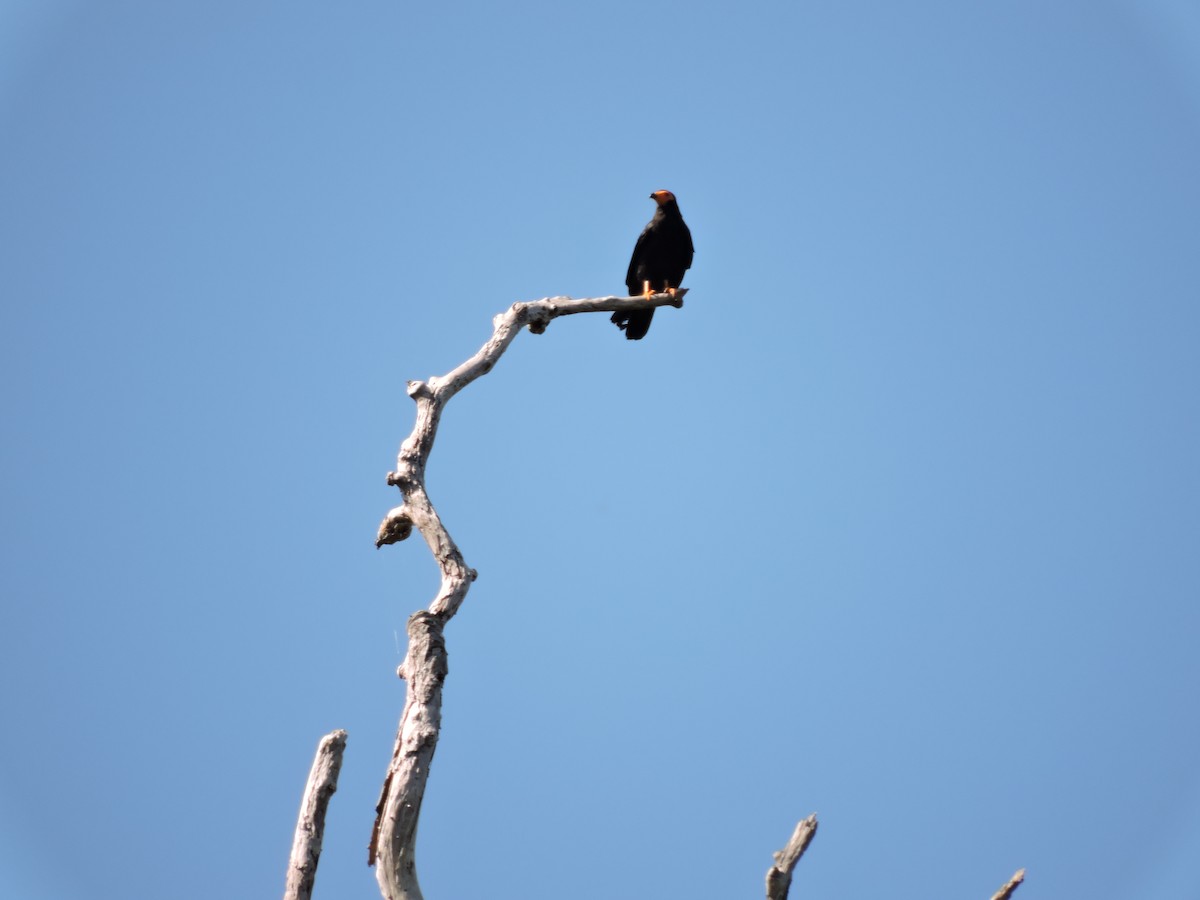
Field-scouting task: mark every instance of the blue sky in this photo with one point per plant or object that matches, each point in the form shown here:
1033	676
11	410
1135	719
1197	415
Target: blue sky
895	521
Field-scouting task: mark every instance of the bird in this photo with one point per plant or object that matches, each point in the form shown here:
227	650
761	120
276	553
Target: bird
662	254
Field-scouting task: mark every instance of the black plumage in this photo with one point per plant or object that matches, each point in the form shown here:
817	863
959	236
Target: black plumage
662	254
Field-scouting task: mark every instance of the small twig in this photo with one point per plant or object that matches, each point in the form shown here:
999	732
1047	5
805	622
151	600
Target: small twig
1007	891
310	827
779	876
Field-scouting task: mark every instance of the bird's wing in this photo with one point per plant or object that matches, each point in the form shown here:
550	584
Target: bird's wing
631	279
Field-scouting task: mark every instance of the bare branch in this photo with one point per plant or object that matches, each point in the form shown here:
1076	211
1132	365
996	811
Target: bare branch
779	876
393	838
310	827
1007	891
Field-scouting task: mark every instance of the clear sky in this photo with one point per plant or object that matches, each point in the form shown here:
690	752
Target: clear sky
897	520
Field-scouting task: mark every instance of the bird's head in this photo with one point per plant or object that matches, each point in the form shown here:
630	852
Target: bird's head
662	198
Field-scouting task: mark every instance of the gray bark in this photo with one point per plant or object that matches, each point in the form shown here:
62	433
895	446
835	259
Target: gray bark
1007	891
393	838
779	876
310	827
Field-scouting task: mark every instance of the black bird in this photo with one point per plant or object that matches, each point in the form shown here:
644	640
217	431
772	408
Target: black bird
661	256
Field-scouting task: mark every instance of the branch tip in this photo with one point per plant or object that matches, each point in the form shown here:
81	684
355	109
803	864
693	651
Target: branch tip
310	825
538	314
1007	891
779	876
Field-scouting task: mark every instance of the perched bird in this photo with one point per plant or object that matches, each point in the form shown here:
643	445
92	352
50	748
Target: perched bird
660	257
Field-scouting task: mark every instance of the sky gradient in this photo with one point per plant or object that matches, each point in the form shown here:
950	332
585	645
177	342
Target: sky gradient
895	521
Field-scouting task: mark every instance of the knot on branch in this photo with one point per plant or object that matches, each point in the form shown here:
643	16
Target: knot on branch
396	526
402	478
538	316
418	389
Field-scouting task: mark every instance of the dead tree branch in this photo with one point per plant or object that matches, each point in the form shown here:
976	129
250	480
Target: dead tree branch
1007	891
310	827
393	838
779	876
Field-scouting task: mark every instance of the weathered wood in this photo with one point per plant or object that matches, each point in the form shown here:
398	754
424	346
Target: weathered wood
779	876
310	826
393	839
1007	891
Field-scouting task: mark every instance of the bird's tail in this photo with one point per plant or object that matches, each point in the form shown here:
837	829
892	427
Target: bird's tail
634	324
